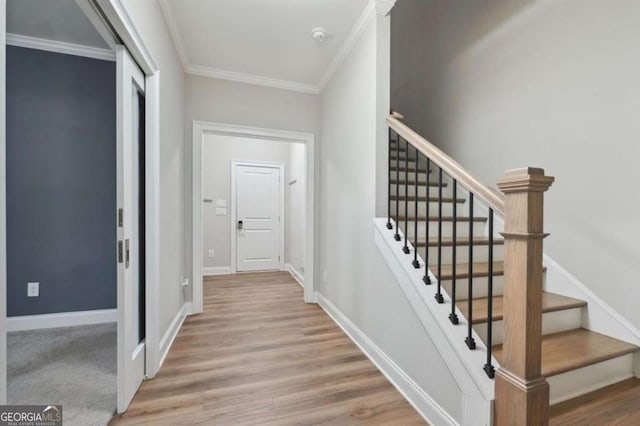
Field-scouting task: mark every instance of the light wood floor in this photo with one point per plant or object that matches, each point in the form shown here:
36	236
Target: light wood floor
259	355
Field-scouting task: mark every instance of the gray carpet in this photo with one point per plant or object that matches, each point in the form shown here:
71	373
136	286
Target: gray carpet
72	366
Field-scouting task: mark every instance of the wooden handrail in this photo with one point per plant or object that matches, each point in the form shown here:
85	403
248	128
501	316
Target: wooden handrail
492	198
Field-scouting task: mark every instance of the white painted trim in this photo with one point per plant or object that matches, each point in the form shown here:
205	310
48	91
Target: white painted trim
171	333
258	80
201	128
216	270
234	218
383	7
599	316
361	24
63	319
295	274
465	365
429	409
60	47
3	209
175	34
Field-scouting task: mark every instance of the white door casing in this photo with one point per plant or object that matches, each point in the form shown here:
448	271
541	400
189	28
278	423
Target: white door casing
131	350
258	198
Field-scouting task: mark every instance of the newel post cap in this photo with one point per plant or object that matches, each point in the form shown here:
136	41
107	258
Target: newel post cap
526	179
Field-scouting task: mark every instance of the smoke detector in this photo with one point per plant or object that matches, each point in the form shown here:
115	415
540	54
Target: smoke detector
320	35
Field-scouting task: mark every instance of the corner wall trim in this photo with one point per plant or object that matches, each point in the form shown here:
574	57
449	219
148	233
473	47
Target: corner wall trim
170	335
295	274
62	319
414	394
216	270
60	47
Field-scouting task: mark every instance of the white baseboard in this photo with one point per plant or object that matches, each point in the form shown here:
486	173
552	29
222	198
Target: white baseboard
295	273
62	319
170	335
216	270
416	396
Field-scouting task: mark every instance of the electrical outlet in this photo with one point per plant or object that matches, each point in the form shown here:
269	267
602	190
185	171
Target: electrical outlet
185	282
33	289
212	253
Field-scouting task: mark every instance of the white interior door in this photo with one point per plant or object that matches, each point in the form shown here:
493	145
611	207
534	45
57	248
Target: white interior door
130	141
258	215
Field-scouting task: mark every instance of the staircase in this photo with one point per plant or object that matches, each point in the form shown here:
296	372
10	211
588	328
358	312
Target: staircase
446	219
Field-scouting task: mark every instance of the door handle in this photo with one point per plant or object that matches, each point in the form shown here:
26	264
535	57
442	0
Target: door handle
240	224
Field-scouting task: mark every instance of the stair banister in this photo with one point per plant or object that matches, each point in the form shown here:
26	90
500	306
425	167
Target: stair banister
522	393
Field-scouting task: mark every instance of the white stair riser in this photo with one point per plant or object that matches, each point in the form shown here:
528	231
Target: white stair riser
480	254
588	379
422	190
447	208
447	229
480	286
433	177
552	322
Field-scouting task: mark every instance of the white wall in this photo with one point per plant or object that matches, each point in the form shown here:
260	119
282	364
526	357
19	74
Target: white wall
296	207
358	281
153	30
217	153
555	84
3	234
220	101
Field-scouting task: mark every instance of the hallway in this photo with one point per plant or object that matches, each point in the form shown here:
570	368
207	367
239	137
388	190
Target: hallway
260	355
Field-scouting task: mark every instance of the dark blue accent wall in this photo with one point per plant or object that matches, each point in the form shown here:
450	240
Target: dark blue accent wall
61	182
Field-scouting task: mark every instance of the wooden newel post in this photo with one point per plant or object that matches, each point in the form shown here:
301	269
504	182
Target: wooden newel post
521	393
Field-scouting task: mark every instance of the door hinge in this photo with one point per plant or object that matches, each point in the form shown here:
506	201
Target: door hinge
120	251
120	218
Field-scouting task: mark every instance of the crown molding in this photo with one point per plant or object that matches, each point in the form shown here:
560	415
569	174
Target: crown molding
60	47
251	79
361	24
178	42
383	7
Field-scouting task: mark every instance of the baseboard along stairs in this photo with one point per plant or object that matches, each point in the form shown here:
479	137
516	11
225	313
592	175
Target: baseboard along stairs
521	354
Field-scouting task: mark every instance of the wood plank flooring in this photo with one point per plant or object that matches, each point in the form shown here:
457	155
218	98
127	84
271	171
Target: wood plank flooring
259	355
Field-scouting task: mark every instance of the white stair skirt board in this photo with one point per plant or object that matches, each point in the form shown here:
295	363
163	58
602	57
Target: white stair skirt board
216	270
465	365
63	319
578	382
414	394
172	332
295	274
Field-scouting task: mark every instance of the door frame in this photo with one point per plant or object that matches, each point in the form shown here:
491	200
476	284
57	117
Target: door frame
202	128
3	207
234	211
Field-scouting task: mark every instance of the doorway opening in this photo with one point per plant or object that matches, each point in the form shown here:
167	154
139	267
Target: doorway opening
253	204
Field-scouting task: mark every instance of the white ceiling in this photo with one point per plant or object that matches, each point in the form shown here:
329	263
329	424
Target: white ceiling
262	41
58	20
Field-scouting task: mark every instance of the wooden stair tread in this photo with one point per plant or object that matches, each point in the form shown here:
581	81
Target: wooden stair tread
617	404
424	198
550	303
421	182
448	242
480	269
435	219
573	349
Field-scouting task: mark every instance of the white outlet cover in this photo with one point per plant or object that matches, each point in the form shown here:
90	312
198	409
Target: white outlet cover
33	289
212	253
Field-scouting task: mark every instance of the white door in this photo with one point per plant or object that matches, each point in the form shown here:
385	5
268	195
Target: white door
130	140
258	226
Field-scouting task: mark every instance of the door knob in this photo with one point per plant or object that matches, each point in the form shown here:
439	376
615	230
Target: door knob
239	224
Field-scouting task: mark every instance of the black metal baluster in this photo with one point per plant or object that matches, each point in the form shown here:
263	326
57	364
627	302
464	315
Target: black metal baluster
426	278
405	249
488	367
397	234
415	262
438	295
453	317
470	341
389	225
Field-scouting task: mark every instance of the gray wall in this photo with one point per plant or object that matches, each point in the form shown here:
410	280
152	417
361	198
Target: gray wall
61	182
499	85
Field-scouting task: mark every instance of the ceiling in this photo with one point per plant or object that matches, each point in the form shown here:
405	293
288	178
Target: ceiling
58	20
262	41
